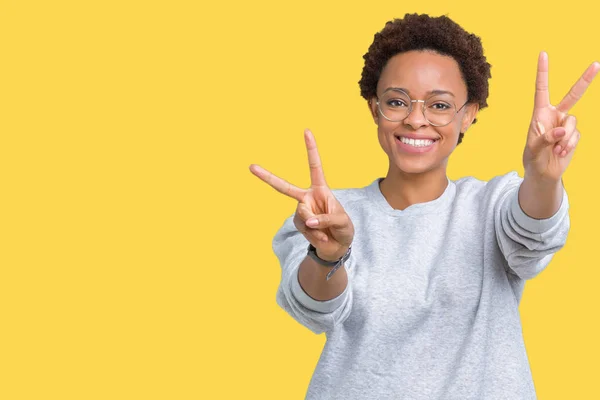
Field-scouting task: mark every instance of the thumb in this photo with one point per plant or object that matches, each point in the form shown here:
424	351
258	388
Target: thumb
339	220
548	139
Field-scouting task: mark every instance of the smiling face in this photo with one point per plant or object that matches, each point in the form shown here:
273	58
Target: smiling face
413	145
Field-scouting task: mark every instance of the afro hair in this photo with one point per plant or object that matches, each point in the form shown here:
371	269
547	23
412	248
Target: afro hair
438	34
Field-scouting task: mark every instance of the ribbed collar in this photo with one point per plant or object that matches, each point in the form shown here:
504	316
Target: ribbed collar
432	206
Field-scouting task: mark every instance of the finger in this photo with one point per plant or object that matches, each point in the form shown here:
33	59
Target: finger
322	221
302	213
542	96
540	130
547	139
569	123
579	88
572	143
282	186
317	178
315	236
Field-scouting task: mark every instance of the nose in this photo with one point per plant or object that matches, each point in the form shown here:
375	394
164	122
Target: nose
416	117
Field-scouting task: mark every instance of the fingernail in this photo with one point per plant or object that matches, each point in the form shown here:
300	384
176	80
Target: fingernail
559	132
540	127
312	222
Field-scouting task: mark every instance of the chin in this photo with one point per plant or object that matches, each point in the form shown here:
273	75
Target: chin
421	166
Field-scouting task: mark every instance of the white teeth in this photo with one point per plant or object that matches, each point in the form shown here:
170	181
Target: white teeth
417	143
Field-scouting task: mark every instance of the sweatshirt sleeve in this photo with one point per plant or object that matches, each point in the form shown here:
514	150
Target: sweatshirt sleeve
528	244
290	247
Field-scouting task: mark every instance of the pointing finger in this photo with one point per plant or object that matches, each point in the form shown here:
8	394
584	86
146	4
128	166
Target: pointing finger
277	183
579	88
542	97
317	178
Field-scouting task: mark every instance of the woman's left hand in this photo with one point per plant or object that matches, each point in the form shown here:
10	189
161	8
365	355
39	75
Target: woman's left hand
553	135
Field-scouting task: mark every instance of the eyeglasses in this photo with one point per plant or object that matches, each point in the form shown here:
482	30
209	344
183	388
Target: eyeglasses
439	109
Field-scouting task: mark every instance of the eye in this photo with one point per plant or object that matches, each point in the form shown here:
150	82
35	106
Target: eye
440	106
396	103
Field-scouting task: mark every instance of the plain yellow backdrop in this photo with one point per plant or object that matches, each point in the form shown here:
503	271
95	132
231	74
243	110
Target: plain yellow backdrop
135	247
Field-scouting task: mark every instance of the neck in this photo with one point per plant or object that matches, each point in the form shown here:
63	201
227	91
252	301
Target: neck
402	189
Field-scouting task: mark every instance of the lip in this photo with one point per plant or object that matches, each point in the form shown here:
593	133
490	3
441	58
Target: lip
413	136
407	148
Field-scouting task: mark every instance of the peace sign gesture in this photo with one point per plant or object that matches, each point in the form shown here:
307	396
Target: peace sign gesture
319	215
552	135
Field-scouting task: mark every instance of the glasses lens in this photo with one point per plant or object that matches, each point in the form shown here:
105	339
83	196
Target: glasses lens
440	110
394	105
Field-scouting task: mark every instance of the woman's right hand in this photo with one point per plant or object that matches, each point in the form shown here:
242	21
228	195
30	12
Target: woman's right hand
319	216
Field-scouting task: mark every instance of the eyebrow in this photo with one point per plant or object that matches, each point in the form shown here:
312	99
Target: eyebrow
431	92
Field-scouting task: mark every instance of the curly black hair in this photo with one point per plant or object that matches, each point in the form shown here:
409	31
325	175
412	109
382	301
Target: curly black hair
438	34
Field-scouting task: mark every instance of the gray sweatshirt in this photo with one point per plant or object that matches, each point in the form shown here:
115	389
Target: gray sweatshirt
431	306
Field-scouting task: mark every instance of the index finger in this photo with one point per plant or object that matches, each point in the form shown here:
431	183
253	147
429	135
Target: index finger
282	186
542	97
317	177
579	88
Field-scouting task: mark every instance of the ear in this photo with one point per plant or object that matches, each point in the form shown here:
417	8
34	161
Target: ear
471	111
372	103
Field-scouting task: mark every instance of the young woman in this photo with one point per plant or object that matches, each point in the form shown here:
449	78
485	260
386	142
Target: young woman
416	279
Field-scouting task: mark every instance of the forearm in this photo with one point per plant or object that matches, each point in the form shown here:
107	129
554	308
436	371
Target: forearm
540	199
312	278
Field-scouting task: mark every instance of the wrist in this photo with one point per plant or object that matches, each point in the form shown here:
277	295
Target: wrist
331	257
540	199
334	261
541	181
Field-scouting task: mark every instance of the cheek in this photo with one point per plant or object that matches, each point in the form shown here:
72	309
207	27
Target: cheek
384	135
450	133
382	141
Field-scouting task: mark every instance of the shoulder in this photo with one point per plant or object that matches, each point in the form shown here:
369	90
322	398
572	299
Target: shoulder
487	193
348	197
498	183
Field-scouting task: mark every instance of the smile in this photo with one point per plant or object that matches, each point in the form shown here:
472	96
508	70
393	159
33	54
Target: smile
415	145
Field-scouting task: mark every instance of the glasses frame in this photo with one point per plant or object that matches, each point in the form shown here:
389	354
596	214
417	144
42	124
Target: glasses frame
410	108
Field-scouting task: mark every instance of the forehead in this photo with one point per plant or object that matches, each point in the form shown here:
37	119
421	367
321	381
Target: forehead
422	72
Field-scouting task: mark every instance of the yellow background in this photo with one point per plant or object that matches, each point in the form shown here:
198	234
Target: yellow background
135	248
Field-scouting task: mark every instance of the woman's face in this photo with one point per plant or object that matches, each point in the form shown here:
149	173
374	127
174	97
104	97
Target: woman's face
419	74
